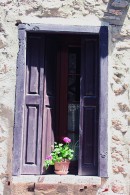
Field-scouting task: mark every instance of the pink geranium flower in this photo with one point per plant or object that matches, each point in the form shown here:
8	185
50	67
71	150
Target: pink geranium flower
49	157
60	152
67	140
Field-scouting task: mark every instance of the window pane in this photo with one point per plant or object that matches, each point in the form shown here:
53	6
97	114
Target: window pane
74	60
73	127
73	117
72	63
73	88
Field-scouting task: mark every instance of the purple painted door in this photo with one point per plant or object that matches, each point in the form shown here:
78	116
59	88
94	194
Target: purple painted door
89	111
33	105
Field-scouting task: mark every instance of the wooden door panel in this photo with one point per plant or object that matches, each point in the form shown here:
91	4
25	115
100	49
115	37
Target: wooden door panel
33	109
89	108
31	134
89	115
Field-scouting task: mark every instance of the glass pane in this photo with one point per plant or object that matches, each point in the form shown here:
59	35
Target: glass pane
72	63
73	88
73	117
74	60
74	98
73	127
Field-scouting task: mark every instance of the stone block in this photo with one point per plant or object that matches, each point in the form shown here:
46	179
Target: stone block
129	153
45	187
121	90
109	17
117	124
53	5
117	156
2	41
105	1
115	12
120	3
4	2
117	187
127	140
62	189
65	189
23	189
2	138
123	107
117	136
50	189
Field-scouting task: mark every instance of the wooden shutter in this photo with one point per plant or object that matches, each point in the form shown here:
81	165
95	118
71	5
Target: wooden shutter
49	120
33	105
89	111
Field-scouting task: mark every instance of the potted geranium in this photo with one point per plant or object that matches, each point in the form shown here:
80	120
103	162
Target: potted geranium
60	157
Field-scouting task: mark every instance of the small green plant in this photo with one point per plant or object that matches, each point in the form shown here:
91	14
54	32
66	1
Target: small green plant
61	152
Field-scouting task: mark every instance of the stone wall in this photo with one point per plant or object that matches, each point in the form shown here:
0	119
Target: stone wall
116	14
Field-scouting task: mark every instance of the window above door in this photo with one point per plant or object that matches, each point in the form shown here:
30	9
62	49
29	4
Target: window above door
58	72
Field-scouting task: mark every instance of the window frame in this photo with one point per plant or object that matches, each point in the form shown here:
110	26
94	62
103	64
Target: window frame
102	31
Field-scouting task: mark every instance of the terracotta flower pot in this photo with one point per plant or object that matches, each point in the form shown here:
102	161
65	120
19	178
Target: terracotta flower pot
61	168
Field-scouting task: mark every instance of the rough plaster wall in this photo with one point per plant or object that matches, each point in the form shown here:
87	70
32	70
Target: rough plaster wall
117	14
